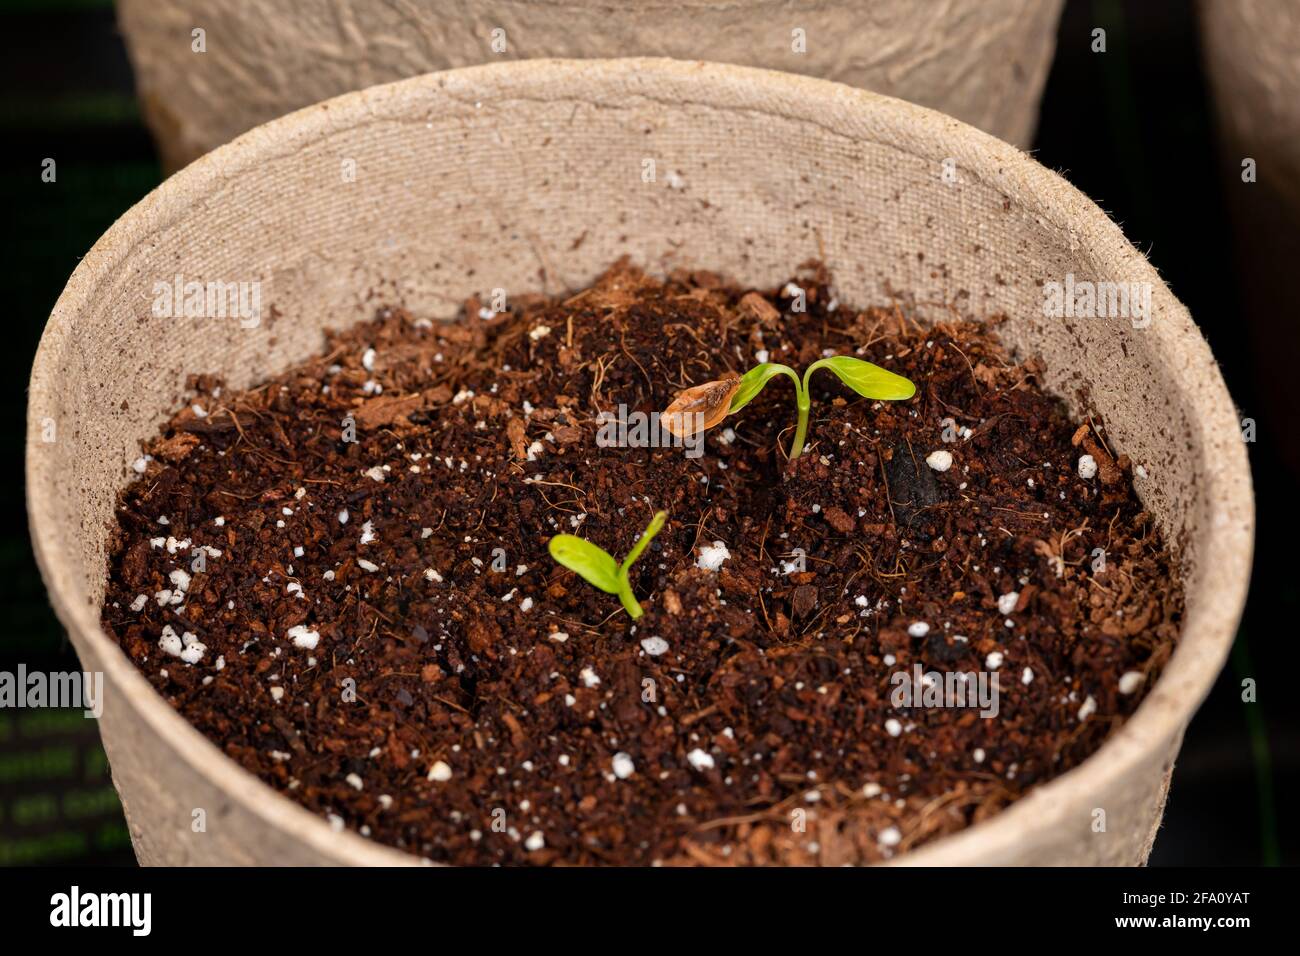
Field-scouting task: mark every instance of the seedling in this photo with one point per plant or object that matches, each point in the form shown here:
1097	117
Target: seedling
703	406
597	567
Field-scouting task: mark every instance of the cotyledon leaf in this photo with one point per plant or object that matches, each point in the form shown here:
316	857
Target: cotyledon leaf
593	563
752	382
866	379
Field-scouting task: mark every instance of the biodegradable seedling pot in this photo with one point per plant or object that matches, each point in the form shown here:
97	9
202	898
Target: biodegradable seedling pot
1252	58
983	61
533	176
1252	51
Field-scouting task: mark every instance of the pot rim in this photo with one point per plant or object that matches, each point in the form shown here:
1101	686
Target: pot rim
1206	636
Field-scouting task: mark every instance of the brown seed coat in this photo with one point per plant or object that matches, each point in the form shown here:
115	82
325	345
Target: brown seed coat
712	400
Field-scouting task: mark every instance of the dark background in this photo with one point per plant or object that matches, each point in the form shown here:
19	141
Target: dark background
1133	128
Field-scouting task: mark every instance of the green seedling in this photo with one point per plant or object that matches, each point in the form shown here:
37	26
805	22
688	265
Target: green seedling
597	566
703	406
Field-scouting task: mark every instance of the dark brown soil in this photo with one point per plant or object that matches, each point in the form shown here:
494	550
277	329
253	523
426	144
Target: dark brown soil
475	715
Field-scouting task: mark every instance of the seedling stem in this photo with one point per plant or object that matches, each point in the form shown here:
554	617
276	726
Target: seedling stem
596	566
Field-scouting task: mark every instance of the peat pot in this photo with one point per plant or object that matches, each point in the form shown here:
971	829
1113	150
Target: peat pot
208	71
444	185
1252	59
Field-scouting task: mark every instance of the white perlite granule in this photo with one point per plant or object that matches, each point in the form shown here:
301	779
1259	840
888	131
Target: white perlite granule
711	558
939	460
304	637
700	760
170	642
1088	709
623	766
1130	681
654	646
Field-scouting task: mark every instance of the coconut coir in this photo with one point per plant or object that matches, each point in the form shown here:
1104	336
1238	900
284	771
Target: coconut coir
341	578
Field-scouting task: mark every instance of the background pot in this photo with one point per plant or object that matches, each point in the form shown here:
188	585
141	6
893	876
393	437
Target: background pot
1252	56
1252	50
532	176
983	61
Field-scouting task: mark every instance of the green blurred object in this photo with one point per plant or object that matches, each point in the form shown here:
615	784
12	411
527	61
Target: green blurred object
89	109
1270	846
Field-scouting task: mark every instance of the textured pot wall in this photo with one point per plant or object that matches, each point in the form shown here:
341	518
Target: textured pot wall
528	177
983	61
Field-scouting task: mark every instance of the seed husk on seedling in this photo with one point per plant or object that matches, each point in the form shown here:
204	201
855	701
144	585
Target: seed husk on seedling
716	400
700	407
597	566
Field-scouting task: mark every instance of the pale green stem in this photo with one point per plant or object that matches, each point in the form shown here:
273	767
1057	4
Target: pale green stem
802	403
805	403
625	595
801	431
624	585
